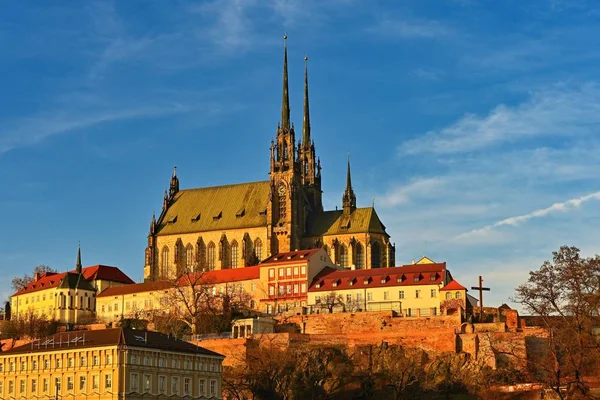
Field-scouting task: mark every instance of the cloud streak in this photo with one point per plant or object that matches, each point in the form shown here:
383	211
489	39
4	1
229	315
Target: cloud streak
556	111
519	219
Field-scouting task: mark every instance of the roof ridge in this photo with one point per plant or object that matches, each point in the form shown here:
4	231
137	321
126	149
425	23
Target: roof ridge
220	186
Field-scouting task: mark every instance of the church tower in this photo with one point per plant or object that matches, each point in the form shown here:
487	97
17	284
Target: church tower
284	209
348	198
310	169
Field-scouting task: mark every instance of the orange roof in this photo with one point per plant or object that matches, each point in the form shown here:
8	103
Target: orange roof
290	257
427	274
228	275
453	285
135	288
52	279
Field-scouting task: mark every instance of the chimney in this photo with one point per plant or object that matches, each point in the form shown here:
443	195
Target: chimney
37	276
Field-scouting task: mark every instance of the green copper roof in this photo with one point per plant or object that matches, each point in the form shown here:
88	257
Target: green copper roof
361	220
216	208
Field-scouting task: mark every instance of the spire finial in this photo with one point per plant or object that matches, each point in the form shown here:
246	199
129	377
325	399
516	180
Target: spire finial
78	267
306	121
174	171
285	101
349	198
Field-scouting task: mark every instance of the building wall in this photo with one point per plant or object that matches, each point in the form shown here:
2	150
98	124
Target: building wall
387	256
169	241
76	305
105	372
398	298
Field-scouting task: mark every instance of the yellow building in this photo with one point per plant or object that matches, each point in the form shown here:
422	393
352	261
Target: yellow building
110	364
418	289
68	297
234	226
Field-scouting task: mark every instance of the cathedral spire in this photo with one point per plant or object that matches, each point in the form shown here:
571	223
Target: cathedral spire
153	224
78	267
285	101
306	122
174	184
348	199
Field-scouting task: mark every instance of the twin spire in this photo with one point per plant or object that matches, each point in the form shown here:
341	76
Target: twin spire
285	98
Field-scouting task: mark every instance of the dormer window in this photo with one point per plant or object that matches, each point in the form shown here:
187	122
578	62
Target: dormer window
172	220
417	277
367	281
196	218
384	279
334	284
432	276
218	216
240	213
352	281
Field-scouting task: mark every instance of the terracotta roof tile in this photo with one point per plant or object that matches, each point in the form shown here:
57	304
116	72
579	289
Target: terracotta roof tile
290	257
135	288
428	274
453	285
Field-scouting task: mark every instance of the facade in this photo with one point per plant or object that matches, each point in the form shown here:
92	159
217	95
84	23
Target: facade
235	226
68	297
108	364
413	290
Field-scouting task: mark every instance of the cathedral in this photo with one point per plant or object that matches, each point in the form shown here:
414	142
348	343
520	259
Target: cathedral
234	226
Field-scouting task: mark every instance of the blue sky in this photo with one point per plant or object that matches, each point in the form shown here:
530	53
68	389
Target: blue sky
473	124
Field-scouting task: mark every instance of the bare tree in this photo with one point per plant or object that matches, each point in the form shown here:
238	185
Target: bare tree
401	369
331	301
200	303
565	294
20	282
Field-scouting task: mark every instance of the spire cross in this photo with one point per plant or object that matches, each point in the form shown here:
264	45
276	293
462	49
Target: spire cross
480	289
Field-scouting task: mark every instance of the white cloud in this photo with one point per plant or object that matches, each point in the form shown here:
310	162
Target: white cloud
404	193
406	28
556	111
519	219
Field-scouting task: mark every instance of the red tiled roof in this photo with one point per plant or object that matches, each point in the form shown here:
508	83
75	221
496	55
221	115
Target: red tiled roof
290	257
453	285
227	275
135	288
378	277
52	279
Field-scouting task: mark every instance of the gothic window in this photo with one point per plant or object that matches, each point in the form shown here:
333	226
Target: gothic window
164	262
258	249
200	254
223	252
211	256
305	166
359	255
375	255
282	201
343	261
285	151
189	257
234	254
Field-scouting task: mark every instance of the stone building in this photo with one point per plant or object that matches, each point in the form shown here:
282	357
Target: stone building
109	364
235	226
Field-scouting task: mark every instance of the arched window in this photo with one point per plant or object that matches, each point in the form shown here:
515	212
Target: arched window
359	255
258	249
200	254
305	166
281	191
234	254
211	256
189	257
375	255
343	255
285	151
164	262
457	295
448	295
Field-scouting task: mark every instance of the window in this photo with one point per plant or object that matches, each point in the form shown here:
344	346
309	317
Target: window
11	387
96	360
174	385
271	273
34	365
82	383
282	198
417	293
165	262
416	278
359	257
34	386
348	298
70	384
161	362
146	360
1	388
147	382
369	296
343	256
359	297
23	366
288	272
201	387
271	290
303	288
186	386
375	255
281	273
22	386
108	359
281	290
134	381
45	385
386	295
1	367
58	363
116	307
401	294
234	254
133	359
213	388
71	362
457	295
82	361
162	383
258	249
211	256
433	293
303	270
107	381
189	257
448	296
95	381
